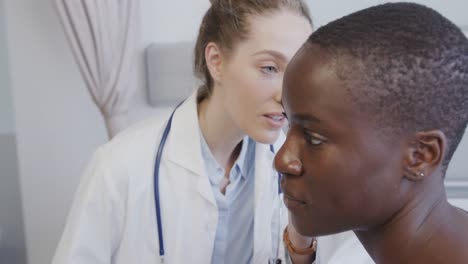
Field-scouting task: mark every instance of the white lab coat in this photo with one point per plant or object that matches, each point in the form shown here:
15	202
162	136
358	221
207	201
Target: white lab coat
112	219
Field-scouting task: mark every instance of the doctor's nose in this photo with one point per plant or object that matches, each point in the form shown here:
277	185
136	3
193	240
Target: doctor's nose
287	161
278	91
278	96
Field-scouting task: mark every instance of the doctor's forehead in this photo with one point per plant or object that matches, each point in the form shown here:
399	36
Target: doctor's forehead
282	32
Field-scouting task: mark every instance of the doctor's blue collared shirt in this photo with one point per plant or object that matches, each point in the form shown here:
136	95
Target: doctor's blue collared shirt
234	233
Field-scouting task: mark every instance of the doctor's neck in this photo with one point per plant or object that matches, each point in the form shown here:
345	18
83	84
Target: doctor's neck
221	133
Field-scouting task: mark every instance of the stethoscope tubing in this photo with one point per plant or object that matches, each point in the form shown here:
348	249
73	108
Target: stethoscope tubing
156	184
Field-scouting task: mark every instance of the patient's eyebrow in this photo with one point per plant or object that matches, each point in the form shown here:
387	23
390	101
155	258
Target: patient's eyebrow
304	118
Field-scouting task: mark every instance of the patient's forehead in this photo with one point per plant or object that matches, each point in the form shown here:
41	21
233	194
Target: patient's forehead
314	67
312	87
311	73
344	89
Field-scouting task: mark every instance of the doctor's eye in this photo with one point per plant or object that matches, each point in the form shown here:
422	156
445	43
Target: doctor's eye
269	69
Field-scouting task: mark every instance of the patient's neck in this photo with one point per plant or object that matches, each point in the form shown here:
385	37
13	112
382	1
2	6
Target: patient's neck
419	233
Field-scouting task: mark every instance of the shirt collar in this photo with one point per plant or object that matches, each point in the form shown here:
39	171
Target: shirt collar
213	166
241	162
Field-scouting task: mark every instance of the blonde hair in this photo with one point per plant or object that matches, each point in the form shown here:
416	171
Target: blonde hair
226	24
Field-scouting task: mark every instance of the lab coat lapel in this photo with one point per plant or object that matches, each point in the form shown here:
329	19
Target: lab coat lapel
264	203
184	148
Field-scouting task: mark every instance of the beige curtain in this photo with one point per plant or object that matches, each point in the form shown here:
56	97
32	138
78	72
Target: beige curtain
102	35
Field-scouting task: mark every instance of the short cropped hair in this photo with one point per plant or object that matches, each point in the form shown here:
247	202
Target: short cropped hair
406	65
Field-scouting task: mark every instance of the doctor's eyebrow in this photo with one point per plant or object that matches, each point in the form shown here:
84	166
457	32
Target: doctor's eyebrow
272	53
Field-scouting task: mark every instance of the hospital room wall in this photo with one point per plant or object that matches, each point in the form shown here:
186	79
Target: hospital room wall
6	108
57	126
12	248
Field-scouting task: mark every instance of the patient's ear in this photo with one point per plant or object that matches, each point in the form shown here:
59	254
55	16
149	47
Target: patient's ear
425	154
214	59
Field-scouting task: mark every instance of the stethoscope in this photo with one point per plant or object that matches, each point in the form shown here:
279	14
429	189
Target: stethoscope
162	143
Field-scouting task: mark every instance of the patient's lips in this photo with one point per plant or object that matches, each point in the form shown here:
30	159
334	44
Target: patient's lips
292	203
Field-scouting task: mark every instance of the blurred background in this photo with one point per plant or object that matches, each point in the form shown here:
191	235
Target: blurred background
50	126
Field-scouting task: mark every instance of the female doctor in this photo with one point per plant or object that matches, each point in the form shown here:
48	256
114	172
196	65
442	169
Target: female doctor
201	188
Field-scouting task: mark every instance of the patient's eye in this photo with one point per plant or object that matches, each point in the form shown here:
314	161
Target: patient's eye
315	141
313	138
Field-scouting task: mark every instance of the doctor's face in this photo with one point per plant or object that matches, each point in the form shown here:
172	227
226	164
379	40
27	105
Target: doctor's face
338	172
252	76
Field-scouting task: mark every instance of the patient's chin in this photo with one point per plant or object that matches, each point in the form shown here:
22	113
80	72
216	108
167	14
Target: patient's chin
314	228
303	226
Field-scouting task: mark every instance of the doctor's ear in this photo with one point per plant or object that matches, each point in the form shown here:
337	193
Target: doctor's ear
214	60
425	154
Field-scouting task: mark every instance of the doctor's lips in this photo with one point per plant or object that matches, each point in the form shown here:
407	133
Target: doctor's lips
276	119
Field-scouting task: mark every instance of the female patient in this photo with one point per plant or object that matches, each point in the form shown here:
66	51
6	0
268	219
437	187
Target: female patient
377	103
217	187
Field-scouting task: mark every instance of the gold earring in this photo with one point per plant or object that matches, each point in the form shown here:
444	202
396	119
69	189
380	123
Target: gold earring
416	174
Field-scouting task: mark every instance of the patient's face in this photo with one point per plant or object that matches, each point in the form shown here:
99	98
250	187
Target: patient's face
253	74
338	174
